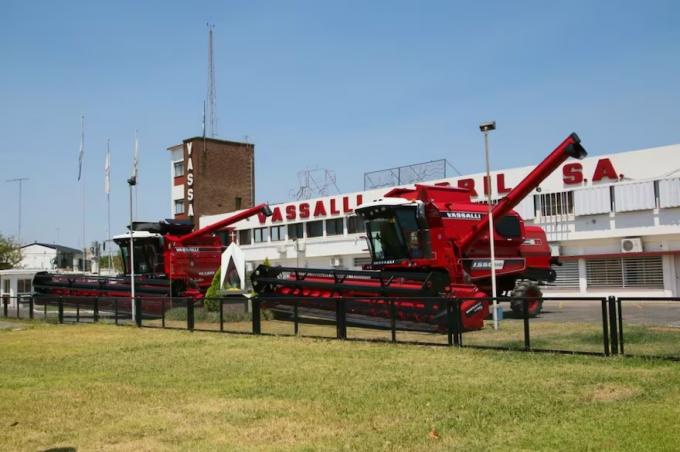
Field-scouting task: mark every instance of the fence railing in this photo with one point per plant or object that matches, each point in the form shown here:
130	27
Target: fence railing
606	326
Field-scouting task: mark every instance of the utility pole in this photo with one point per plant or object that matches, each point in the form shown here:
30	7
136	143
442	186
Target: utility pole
20	181
132	181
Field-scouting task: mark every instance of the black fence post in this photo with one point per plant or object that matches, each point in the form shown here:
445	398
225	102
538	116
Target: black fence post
30	307
340	318
221	315
61	310
458	338
163	313
449	321
527	337
613	318
255	304
393	320
605	328
190	314
138	311
45	310
77	311
95	310
115	311
296	319
5	304
620	316
18	306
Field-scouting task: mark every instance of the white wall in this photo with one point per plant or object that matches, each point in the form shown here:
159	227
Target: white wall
13	276
38	257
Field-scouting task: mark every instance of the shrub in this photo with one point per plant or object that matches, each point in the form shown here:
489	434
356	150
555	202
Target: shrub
210	303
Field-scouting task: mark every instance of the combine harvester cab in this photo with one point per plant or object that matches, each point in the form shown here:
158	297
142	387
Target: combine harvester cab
427	244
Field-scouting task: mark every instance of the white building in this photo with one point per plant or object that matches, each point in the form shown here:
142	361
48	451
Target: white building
44	256
37	257
614	220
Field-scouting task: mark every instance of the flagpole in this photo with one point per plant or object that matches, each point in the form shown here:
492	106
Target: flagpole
81	175
107	185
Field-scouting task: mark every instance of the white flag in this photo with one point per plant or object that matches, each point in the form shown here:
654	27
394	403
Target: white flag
107	169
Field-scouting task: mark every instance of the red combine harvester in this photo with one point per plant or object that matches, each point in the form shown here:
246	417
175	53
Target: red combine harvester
170	260
432	241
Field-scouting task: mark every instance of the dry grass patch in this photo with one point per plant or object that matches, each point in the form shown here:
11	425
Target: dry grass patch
611	392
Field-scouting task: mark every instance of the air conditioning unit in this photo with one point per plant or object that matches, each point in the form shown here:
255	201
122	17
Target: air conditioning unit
631	245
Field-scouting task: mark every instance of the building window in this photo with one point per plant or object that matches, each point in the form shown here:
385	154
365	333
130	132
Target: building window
643	272
355	225
278	233
179	206
237	203
552	204
604	273
567	275
23	286
624	272
226	237
260	235
315	228
295	231
6	287
334	227
244	237
179	169
361	261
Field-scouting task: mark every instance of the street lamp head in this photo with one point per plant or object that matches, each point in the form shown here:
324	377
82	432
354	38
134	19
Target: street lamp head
487	126
132	181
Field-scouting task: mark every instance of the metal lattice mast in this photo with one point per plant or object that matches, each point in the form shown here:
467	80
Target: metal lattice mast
20	181
212	93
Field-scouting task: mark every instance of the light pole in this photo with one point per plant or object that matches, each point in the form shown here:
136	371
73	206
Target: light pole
487	127
132	182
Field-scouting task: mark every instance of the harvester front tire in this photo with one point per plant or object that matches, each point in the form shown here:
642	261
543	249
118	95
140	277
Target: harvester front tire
527	290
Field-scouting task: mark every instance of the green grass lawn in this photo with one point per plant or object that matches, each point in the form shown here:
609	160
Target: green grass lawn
123	388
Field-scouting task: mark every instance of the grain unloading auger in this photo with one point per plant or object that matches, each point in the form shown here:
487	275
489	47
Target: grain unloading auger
432	241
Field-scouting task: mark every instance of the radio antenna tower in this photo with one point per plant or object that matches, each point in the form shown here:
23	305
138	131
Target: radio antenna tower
20	181
314	183
212	93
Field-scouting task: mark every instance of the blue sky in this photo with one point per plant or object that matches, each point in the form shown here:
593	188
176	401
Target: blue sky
352	86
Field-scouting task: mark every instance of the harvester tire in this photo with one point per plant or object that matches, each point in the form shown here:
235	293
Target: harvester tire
527	290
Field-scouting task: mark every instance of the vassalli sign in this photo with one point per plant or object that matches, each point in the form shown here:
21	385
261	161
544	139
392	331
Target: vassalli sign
328	207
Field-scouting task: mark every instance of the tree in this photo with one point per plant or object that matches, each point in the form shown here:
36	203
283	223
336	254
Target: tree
117	261
10	253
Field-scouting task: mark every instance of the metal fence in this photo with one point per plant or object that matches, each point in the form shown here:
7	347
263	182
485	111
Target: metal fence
605	326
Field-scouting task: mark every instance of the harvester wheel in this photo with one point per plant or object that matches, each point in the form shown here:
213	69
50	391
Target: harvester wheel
529	291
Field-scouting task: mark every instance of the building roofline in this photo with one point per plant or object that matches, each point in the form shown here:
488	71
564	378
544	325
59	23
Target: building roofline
209	139
63	249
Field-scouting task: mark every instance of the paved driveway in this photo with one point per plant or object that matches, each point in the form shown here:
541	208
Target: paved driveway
662	313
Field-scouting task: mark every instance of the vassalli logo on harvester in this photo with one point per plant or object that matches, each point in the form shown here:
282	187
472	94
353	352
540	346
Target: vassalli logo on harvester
462	215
